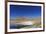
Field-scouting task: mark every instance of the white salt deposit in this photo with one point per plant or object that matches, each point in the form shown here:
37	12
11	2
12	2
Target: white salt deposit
27	23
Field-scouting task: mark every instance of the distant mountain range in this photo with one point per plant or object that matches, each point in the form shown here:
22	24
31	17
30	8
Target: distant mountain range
23	20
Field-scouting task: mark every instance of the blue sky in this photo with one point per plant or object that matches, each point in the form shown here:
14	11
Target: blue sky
22	10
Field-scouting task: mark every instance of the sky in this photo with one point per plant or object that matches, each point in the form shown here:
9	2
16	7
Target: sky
23	10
